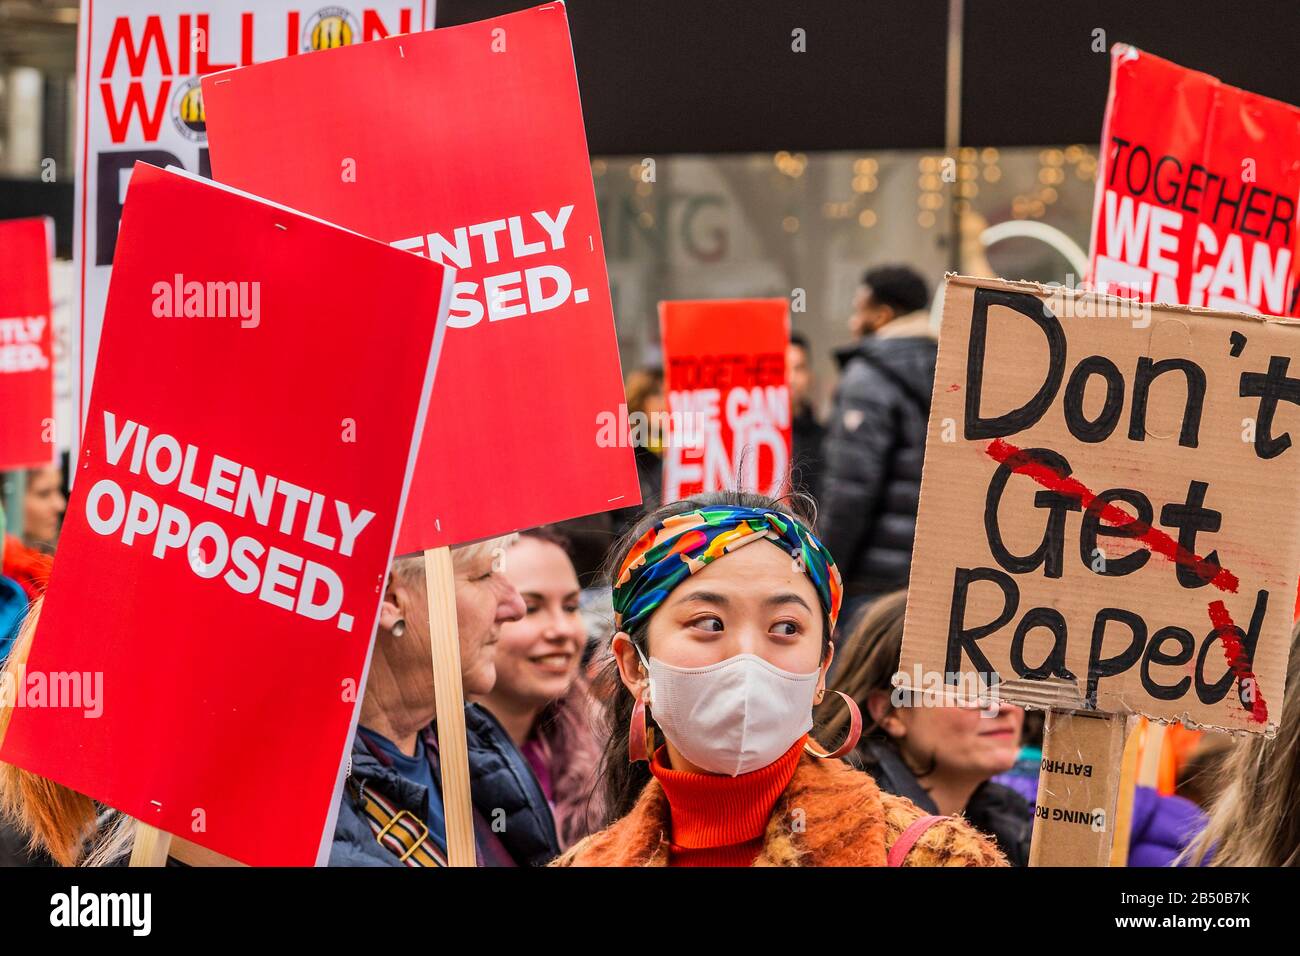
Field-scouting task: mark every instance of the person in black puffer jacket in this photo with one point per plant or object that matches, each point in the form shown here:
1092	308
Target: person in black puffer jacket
875	445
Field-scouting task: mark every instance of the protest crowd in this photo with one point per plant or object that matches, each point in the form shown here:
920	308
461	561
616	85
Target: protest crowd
668	655
553	697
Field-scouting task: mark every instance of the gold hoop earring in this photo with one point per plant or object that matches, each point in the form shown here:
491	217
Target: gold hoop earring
851	741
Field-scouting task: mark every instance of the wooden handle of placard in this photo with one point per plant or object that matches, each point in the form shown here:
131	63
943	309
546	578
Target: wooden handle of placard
151	845
1127	784
1141	768
1078	787
191	854
453	753
1153	749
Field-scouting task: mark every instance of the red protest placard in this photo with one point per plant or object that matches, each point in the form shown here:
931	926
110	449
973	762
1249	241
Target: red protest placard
249	441
26	356
1196	198
463	144
728	403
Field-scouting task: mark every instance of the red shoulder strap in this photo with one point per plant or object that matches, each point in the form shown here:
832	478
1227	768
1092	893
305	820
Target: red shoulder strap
907	839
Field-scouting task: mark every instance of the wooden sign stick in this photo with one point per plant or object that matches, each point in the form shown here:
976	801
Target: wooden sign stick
1141	768
1127	786
453	753
1078	786
1153	748
191	854
151	845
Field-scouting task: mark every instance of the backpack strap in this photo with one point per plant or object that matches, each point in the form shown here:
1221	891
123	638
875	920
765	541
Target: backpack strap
399	831
907	839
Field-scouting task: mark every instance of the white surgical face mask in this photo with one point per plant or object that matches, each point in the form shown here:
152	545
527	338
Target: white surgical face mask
732	717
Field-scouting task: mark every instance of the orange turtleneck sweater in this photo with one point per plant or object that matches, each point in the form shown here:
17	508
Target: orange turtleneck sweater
718	820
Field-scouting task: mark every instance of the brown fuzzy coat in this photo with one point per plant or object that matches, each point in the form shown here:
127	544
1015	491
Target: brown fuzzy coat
829	815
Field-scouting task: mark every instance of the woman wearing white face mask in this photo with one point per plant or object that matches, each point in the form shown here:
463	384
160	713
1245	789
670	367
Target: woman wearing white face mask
725	604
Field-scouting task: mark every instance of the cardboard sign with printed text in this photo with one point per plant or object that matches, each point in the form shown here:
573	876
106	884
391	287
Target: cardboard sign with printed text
465	145
728	402
1196	196
27	433
1107	519
251	436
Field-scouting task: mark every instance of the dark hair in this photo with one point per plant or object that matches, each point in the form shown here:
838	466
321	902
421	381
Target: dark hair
899	287
866	663
551	535
799	340
622	781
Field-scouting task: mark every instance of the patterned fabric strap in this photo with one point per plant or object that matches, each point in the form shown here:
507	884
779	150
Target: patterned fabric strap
907	839
684	544
399	831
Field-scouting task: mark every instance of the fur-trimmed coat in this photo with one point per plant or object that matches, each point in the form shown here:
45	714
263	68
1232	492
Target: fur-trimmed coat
829	815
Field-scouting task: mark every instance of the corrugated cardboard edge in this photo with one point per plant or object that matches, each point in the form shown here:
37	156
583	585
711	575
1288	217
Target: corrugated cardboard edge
1269	731
1050	291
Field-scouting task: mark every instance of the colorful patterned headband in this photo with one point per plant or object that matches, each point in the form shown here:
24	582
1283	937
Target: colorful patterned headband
683	544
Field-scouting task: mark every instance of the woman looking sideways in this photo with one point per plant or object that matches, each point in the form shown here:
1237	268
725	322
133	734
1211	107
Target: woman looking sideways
725	605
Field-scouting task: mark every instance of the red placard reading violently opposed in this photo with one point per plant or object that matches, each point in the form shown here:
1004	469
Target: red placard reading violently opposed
728	403
465	145
250	438
26	356
1196	198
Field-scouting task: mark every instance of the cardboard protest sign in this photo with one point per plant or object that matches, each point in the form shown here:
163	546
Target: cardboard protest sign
138	99
1196	198
465	145
249	444
1106	517
26	345
729	406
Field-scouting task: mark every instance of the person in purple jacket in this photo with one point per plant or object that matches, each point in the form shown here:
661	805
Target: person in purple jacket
1163	826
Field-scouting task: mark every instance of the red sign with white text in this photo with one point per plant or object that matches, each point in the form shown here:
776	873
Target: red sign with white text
1196	198
26	354
728	402
250	437
466	145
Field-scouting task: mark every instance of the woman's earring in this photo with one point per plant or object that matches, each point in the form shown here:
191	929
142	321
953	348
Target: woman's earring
640	735
855	731
399	628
